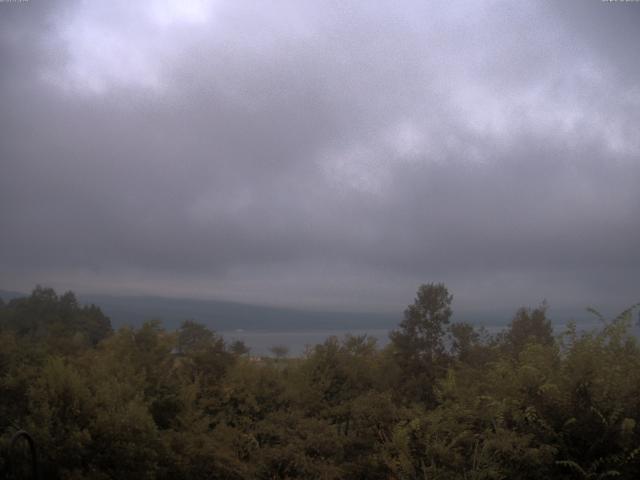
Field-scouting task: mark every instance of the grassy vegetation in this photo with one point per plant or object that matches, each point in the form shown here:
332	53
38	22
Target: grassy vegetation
441	401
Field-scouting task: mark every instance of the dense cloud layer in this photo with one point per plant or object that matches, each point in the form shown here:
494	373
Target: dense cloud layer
322	154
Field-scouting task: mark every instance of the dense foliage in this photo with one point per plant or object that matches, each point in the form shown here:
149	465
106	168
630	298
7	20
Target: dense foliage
441	401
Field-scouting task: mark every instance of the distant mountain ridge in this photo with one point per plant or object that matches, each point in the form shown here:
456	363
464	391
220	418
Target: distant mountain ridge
228	316
7	295
223	315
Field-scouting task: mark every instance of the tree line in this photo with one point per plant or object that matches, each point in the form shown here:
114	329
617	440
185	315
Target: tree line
442	400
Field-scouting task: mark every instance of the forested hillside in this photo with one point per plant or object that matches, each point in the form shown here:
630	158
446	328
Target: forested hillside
442	401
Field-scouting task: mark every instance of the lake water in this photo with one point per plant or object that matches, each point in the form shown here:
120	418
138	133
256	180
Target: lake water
260	341
297	341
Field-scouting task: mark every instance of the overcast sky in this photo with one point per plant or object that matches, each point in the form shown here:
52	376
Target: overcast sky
323	154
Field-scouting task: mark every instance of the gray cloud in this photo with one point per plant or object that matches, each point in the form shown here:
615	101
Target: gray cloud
322	154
